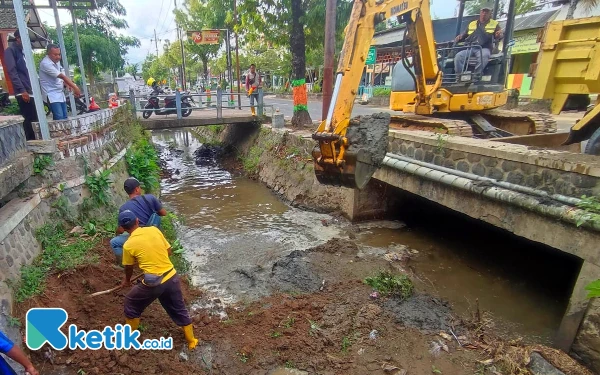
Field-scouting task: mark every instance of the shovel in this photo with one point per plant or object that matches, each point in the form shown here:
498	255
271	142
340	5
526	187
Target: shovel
113	289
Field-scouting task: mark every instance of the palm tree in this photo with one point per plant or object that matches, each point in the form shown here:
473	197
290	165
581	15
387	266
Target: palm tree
588	6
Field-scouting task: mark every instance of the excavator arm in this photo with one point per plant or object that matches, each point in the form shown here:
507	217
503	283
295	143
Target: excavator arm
346	156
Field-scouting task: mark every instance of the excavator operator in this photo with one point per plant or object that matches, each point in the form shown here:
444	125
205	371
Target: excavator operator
483	32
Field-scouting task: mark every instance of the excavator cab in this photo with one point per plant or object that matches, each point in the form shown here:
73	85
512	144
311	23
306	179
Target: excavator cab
424	87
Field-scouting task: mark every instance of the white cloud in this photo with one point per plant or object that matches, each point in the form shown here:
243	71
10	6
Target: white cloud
443	8
143	17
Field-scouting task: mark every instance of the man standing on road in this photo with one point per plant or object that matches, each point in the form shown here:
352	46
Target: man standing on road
146	207
53	80
482	32
253	82
19	76
150	250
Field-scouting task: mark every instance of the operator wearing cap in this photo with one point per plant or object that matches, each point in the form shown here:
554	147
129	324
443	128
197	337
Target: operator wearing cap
483	32
146	207
150	250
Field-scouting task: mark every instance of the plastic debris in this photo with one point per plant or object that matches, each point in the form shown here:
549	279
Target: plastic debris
374	295
373	334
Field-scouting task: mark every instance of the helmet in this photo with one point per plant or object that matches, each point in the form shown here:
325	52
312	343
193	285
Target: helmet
151	81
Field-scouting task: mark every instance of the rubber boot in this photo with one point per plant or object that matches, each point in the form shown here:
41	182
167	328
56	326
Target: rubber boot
133	322
119	261
253	110
188	332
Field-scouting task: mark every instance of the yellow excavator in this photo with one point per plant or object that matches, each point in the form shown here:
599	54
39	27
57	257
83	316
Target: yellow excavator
424	87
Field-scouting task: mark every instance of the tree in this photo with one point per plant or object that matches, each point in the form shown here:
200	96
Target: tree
588	5
298	48
101	47
133	69
203	14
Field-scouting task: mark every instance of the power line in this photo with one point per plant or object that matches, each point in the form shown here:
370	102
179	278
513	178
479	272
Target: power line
159	14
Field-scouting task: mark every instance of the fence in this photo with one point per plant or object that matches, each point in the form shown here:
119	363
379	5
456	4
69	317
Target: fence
183	107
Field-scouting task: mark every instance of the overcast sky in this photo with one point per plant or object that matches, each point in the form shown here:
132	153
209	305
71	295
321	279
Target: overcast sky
144	16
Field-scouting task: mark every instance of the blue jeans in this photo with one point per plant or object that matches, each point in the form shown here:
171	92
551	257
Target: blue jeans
59	110
117	246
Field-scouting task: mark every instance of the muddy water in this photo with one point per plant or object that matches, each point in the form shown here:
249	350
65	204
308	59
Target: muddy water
235	228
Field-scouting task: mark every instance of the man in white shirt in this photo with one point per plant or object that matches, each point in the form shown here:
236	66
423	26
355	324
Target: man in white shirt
53	80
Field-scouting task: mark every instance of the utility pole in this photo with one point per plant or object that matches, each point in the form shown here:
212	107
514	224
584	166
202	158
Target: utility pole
329	56
155	43
63	51
182	70
237	56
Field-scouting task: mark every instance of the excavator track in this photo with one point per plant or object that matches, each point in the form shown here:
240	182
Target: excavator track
521	123
518	123
438	125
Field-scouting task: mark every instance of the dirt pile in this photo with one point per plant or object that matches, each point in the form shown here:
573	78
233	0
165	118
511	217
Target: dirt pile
69	291
423	312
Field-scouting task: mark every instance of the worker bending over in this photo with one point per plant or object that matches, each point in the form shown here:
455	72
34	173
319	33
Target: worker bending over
148	248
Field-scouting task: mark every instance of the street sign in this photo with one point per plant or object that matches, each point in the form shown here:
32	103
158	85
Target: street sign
371	56
205	36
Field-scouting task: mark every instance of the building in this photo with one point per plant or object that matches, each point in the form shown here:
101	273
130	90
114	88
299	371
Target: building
526	48
524	52
8	25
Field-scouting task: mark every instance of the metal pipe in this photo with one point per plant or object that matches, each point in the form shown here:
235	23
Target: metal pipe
461	11
503	184
63	52
33	76
496	8
80	58
334	97
508	33
566	214
237	56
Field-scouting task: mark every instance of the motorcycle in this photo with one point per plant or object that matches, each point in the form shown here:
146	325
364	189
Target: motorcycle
170	106
79	105
4	101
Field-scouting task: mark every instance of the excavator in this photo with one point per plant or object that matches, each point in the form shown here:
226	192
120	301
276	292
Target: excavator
424	87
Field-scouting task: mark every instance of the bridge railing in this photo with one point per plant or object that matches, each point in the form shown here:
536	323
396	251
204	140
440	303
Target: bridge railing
140	103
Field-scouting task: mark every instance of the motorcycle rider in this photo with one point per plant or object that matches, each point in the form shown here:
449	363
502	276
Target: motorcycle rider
154	85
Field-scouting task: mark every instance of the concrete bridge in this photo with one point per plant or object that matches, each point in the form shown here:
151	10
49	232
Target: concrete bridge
220	108
532	193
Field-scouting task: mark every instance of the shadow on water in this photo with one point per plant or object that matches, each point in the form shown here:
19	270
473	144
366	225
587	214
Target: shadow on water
233	224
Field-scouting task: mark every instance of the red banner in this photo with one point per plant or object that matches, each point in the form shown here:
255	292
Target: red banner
205	36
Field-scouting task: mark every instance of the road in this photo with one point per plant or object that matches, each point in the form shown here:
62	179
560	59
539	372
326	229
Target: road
286	106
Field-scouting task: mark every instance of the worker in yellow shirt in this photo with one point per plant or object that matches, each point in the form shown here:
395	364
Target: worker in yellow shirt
148	248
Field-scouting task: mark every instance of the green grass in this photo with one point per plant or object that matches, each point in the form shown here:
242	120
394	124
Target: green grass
382	92
59	254
276	334
289	322
42	162
169	229
346	343
591	206
142	163
12	109
252	160
387	284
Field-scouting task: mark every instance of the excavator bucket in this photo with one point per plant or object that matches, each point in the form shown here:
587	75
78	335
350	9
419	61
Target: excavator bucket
366	138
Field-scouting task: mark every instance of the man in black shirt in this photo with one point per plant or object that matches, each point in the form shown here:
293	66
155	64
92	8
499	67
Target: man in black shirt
483	32
19	76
